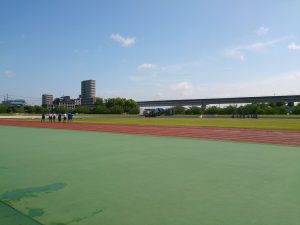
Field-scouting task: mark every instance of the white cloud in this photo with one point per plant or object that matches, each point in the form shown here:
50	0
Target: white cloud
262	31
8	74
146	66
125	42
182	89
239	52
293	46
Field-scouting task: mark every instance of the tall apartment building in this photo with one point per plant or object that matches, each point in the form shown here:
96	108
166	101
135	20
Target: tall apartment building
88	92
47	100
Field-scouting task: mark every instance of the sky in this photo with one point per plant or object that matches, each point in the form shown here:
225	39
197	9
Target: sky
149	50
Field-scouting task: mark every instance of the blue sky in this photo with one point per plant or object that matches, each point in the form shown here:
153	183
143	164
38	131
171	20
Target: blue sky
146	50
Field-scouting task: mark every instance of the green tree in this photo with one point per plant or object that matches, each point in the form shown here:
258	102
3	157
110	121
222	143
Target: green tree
195	110
110	102
188	112
101	109
117	109
130	105
83	109
3	108
261	108
37	109
121	105
135	110
179	109
99	101
280	104
45	110
269	111
250	109
281	110
296	109
229	110
28	109
211	110
61	110
17	109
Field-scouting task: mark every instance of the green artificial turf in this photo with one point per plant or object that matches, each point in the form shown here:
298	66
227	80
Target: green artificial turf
274	124
61	177
11	216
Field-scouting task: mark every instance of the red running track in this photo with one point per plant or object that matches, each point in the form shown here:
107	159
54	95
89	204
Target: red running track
280	137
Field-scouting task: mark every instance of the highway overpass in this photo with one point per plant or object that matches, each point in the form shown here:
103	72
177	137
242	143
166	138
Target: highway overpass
216	101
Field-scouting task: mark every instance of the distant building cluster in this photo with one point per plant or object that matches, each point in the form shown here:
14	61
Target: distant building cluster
15	102
86	98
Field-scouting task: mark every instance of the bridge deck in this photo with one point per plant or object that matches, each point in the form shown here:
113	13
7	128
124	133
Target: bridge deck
209	101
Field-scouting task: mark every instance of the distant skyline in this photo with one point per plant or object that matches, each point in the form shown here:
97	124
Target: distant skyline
149	50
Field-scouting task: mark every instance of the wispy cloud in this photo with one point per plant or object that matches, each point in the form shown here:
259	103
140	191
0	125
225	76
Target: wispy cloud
135	78
293	46
239	52
148	71
235	53
262	31
8	74
181	68
146	66
124	41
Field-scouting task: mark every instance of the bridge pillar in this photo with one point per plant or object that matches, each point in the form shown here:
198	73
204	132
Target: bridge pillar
141	110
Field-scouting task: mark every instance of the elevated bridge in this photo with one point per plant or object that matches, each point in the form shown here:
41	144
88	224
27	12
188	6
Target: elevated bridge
212	101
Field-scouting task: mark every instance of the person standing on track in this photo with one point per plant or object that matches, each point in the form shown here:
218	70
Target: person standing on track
54	117
69	117
50	117
59	117
65	117
43	117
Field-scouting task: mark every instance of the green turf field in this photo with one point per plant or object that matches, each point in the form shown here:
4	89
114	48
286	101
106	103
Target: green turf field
274	124
61	177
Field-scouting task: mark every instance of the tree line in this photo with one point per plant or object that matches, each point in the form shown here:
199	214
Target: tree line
101	106
249	109
111	106
129	106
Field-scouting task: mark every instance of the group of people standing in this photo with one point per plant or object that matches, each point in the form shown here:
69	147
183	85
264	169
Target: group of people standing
60	117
